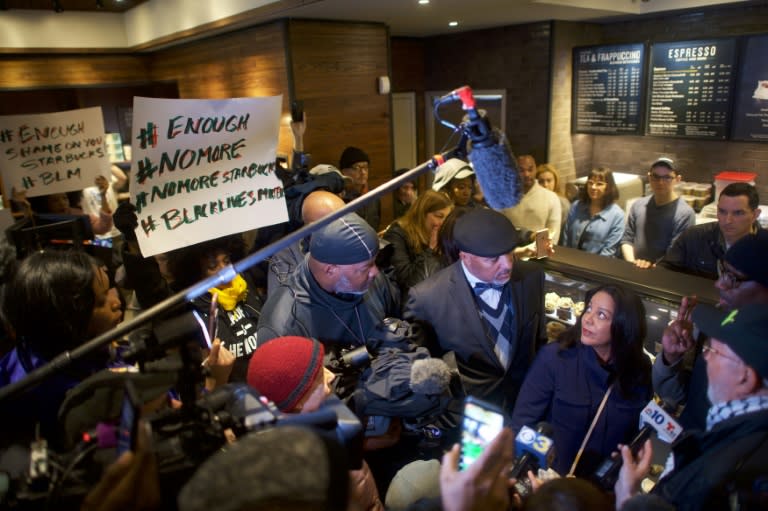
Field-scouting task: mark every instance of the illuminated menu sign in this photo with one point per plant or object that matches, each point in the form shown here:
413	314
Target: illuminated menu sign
750	117
690	88
607	86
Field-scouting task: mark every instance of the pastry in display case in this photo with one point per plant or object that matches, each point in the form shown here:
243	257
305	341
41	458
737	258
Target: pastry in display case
564	303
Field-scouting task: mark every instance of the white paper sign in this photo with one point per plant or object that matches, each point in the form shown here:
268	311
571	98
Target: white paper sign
203	169
49	153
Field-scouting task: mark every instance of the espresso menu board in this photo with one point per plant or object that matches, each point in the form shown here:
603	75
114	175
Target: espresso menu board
750	117
607	86
690	88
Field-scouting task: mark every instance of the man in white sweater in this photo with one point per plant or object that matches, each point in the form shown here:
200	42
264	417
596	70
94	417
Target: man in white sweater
539	208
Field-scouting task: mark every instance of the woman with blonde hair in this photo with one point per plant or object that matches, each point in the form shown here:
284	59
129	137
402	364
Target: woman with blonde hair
414	237
549	178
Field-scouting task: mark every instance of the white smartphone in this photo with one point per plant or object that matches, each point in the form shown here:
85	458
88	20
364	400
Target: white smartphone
481	423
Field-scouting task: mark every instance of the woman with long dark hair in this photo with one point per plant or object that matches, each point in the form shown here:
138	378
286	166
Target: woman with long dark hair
415	241
595	222
597	371
56	301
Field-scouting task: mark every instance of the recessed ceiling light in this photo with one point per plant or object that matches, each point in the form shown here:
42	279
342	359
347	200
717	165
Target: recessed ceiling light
423	2
453	23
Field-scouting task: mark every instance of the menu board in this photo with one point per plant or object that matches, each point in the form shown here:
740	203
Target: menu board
607	85
690	88
750	118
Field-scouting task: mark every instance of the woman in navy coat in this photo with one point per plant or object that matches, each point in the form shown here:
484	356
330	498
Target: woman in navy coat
569	379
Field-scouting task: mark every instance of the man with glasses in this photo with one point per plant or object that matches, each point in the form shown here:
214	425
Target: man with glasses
699	248
355	164
679	374
722	465
654	221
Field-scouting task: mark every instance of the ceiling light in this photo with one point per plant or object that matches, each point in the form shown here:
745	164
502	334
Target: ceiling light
423	2
453	23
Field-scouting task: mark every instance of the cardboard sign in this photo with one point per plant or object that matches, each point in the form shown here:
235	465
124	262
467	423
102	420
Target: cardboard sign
42	154
203	169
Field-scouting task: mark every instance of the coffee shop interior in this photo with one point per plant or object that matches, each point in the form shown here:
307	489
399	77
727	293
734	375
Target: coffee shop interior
368	71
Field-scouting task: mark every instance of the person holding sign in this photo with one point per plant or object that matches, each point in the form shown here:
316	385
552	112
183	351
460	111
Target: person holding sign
239	302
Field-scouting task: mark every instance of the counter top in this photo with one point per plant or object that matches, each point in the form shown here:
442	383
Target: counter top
656	282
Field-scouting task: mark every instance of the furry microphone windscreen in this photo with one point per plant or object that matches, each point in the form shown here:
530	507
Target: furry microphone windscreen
430	376
497	174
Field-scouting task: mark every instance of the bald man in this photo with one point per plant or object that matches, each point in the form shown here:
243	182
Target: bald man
316	205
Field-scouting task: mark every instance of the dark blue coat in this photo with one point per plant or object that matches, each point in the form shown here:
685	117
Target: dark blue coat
564	388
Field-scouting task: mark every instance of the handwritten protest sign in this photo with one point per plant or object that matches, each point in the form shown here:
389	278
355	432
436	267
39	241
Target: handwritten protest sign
52	153
203	169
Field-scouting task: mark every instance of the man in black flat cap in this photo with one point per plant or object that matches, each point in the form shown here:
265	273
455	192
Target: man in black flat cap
486	308
336	294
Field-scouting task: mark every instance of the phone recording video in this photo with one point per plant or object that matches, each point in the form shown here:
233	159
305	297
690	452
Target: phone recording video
480	425
297	111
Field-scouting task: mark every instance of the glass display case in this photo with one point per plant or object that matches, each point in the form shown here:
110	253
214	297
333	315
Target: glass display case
570	273
564	301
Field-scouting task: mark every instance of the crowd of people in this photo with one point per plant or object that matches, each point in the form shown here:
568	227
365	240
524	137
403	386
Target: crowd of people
447	283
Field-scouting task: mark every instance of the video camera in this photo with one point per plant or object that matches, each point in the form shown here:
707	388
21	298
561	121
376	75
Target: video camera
182	438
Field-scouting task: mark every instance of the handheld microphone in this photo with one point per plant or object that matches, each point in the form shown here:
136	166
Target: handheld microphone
537	450
654	417
491	158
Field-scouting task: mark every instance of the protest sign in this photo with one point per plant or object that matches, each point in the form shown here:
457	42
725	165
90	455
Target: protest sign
41	154
203	169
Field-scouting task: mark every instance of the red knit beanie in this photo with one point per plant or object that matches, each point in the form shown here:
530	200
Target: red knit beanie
284	369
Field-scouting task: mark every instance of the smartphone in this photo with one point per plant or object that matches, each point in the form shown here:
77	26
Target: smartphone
297	111
481	423
607	472
130	413
541	237
213	319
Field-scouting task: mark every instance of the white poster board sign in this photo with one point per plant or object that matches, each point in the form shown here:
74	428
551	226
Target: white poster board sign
203	169
49	153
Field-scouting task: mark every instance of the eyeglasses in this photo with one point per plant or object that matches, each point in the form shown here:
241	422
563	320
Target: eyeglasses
731	279
658	177
597	184
707	348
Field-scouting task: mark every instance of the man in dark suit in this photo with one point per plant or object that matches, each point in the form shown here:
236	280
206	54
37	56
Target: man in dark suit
487	308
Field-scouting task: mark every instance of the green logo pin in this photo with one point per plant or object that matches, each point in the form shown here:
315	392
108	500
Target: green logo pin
730	318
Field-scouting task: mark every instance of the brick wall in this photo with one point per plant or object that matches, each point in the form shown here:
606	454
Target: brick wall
515	59
699	160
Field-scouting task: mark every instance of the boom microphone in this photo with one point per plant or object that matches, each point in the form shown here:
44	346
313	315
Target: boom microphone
491	157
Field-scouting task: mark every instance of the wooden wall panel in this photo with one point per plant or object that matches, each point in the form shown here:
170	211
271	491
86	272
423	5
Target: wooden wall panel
43	71
334	69
247	63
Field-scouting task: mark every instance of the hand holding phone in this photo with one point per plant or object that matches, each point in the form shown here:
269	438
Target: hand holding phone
481	423
213	319
297	111
542	241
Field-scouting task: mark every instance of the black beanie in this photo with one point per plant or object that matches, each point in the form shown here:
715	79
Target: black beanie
352	155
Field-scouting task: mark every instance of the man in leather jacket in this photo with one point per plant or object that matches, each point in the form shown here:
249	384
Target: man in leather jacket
698	248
